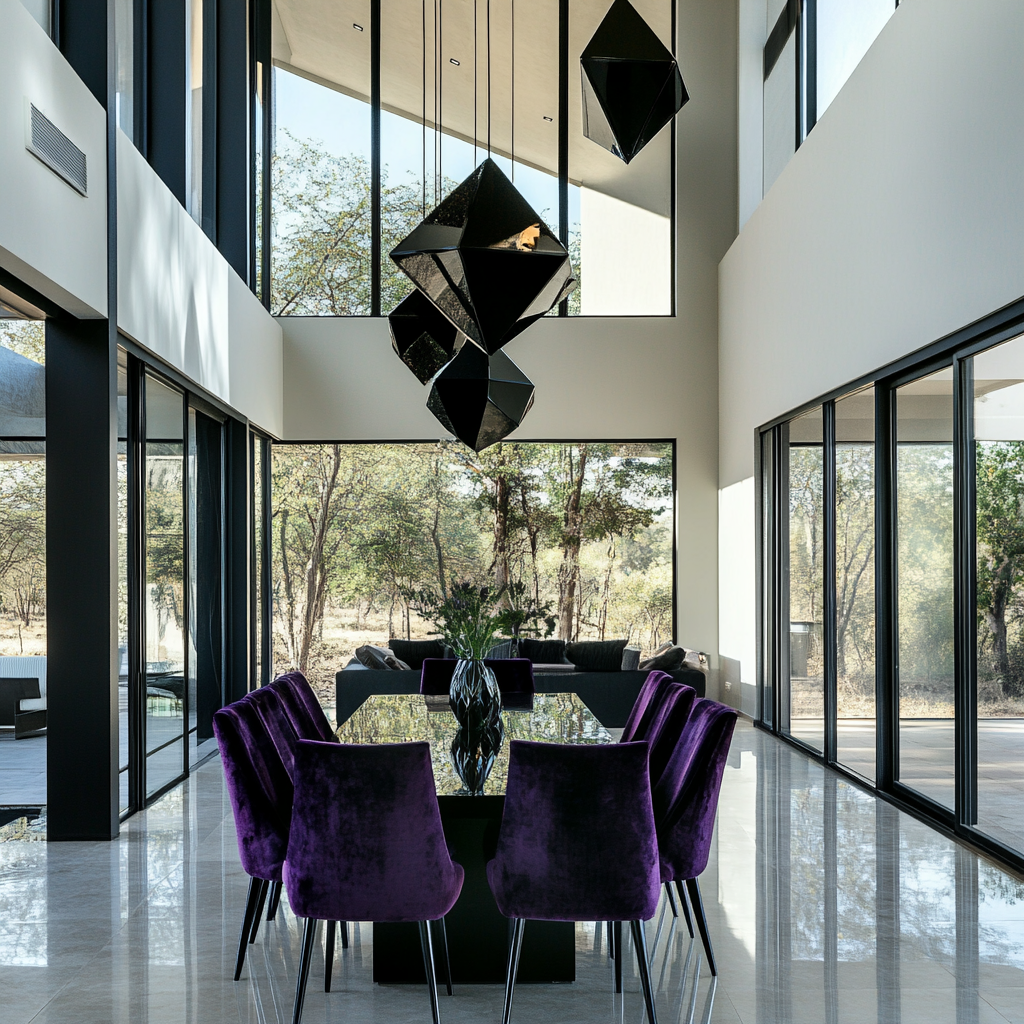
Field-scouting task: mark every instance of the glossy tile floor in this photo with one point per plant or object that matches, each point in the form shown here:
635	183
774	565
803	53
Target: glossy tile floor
825	905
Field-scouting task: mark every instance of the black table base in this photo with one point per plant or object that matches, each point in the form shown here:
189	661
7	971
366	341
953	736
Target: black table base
478	935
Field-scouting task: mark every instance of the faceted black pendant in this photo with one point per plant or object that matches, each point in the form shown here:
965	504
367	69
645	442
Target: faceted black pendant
480	398
423	339
486	260
632	86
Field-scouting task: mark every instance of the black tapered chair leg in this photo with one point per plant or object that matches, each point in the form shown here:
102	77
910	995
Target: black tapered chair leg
329	955
427	944
515	947
444	951
343	925
702	922
671	899
686	907
264	889
644	961
251	902
617	942
275	900
305	955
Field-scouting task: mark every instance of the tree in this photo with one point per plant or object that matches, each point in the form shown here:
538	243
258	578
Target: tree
1000	519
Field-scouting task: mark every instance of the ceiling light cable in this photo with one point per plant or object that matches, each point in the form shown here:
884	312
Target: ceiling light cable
512	119
424	119
488	78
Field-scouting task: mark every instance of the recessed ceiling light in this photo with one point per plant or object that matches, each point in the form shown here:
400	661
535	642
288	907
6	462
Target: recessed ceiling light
358	28
452	60
546	118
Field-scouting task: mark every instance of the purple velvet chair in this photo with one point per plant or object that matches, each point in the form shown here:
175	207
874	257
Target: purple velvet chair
366	844
644	709
303	708
557	859
513	675
685	801
261	799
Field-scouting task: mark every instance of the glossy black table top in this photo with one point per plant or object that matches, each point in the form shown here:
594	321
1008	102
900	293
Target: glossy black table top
399	718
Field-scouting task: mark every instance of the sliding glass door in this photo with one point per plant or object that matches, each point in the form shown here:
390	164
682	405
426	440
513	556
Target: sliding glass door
892	592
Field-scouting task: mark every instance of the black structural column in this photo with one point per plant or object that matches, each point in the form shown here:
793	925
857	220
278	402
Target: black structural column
81	507
232	150
237	588
166	91
81	580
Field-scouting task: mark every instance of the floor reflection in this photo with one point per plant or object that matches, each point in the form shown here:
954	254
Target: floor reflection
825	905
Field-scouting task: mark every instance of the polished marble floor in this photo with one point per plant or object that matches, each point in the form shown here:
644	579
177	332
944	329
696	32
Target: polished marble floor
825	905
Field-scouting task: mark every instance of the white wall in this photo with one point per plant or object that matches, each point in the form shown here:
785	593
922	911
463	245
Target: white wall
614	378
51	238
179	299
900	220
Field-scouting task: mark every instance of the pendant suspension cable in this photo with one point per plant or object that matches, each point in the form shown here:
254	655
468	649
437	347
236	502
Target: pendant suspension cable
488	78
512	119
424	118
476	51
437	157
439	128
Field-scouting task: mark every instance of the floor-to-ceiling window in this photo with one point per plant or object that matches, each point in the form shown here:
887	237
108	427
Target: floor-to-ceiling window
924	584
382	110
892	592
22	556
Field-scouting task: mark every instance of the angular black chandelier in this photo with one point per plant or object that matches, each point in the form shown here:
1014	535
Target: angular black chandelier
632	86
485	267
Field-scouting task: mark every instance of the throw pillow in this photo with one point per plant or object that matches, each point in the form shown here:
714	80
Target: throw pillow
630	659
542	652
668	661
503	651
412	652
379	658
596	655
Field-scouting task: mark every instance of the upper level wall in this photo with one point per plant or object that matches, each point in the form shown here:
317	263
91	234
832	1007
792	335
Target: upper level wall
51	237
178	298
899	220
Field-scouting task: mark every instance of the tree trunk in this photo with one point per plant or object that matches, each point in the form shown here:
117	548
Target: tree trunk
501	500
572	538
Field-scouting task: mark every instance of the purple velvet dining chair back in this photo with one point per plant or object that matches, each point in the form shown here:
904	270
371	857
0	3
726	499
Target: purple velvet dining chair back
686	797
274	716
645	707
513	675
303	708
667	726
366	841
577	839
258	788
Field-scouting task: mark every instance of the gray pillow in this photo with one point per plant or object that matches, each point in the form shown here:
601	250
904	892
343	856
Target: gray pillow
630	659
503	651
668	661
596	655
380	658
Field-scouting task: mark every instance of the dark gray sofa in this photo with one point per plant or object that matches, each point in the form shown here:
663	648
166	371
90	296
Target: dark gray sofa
609	695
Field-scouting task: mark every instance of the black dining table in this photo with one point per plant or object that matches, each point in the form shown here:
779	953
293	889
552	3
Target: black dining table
478	934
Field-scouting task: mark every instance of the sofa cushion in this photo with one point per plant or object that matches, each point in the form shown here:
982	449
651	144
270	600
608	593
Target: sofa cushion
412	652
630	659
596	655
380	658
542	652
669	660
503	651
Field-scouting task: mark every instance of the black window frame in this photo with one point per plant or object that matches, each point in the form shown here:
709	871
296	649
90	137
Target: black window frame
261	247
955	350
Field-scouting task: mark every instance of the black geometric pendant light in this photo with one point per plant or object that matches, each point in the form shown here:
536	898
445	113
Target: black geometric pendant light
423	339
479	398
486	260
632	86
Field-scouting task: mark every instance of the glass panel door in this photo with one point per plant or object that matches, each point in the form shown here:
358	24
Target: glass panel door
855	581
164	597
999	512
806	556
924	553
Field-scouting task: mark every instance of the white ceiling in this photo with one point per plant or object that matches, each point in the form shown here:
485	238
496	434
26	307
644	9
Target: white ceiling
316	38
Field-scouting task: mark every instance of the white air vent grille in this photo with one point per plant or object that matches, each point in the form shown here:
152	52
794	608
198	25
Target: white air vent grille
57	151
